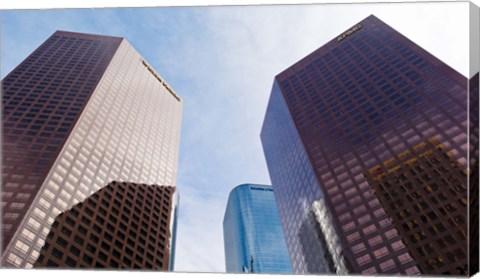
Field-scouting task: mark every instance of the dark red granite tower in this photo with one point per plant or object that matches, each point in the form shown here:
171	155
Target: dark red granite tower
369	132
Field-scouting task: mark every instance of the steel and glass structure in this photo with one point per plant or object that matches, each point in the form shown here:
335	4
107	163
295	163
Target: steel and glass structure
252	232
366	145
81	111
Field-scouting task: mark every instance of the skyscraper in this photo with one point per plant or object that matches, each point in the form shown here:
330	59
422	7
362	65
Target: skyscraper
252	232
121	226
370	132
80	111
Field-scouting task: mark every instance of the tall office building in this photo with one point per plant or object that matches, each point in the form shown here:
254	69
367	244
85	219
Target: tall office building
366	138
122	226
80	111
252	232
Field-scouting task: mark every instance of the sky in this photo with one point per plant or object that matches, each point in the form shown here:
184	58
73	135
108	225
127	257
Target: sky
222	62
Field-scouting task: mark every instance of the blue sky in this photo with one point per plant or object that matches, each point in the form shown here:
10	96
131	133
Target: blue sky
222	61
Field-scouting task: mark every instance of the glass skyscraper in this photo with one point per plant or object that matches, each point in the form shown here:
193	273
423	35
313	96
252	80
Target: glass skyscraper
81	111
252	232
366	145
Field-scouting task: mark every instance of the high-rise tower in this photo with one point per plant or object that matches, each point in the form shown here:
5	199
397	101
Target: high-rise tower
80	111
252	233
366	138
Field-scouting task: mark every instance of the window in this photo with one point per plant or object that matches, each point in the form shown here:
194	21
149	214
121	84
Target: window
358	248
108	236
75	250
114	264
100	220
112	219
85	220
102	256
412	271
82	229
97	228
91	248
128	251
386	265
364	219
87	258
354	236
28	234
57	253
66	231
62	242
127	261
391	233
70	221
105	246
369	229
70	262
51	263
131	243
118	244
78	240
370	271
116	254
74	212
375	240
398	245
405	258
22	246
379	253
363	259
88	211
94	238
17	205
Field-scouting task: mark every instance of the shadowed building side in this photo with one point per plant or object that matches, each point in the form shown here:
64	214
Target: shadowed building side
122	226
424	193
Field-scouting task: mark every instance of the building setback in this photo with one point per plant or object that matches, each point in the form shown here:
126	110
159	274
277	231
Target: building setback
82	110
123	225
252	233
367	136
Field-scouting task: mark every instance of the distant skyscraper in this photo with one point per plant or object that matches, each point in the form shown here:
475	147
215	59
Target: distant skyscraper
252	232
80	111
123	225
366	145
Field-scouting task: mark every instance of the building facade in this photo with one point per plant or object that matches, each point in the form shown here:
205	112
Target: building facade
252	232
473	193
374	129
121	226
82	110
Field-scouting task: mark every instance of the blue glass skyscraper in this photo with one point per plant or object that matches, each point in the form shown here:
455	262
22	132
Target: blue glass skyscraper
252	232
